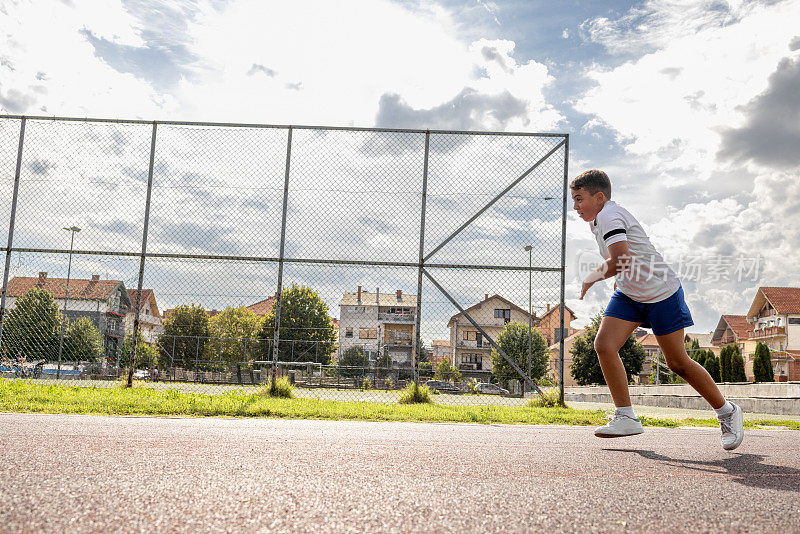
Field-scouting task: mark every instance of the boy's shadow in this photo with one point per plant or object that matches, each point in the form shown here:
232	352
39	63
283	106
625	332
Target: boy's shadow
745	469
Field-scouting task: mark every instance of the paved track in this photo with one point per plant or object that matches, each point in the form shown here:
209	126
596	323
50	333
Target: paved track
89	473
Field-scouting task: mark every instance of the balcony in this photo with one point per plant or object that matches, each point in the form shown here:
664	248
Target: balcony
396	317
768	332
472	344
726	340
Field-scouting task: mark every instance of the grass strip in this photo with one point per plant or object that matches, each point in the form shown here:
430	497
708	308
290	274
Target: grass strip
26	397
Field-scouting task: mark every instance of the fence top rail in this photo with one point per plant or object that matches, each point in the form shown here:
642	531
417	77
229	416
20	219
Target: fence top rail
280	126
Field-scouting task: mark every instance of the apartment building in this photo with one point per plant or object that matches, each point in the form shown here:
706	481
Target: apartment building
471	351
381	323
549	323
150	324
774	317
553	365
440	350
105	302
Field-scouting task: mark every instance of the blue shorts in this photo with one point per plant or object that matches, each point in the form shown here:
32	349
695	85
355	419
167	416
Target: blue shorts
664	317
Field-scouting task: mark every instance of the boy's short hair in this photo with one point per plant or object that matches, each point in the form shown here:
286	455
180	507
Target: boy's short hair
593	181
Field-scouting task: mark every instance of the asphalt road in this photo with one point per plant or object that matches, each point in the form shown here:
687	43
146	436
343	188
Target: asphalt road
90	473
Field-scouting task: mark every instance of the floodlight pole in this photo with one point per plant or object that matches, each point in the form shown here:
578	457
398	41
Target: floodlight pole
529	249
72	229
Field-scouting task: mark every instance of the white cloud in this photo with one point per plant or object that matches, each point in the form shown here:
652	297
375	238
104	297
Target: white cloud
668	105
52	69
689	73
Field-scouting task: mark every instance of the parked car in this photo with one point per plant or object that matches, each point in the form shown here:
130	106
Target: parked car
141	374
443	387
491	389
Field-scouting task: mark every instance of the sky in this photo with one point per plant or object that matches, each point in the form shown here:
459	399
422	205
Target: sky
691	107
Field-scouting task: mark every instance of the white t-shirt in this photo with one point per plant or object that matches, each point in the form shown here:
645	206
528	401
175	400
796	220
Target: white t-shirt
648	279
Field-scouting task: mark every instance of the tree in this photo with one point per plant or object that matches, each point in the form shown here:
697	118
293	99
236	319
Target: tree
33	326
353	361
234	332
585	367
762	364
425	369
725	361
306	330
424	354
737	367
712	366
665	374
445	371
146	355
185	335
83	341
699	356
513	339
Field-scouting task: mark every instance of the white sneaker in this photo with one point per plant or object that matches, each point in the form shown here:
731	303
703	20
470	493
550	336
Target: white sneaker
619	426
732	426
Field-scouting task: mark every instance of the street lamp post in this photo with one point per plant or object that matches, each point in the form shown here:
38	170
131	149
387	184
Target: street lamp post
529	250
72	229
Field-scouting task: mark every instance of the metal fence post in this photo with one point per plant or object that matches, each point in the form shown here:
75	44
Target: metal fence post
417	337
563	271
11	227
279	297
142	257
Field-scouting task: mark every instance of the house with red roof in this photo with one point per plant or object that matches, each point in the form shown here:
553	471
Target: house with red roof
737	330
149	319
105	302
473	353
774	317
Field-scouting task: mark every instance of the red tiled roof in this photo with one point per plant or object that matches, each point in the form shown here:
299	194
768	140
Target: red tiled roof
78	289
783	299
146	295
440	343
739	325
484	301
262	307
554	308
649	340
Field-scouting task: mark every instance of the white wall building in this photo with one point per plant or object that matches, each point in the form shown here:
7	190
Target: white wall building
381	323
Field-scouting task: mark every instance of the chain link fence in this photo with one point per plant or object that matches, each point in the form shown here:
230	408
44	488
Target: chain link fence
351	261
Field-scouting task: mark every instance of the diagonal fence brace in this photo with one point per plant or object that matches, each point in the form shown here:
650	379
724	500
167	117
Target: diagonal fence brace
516	367
495	199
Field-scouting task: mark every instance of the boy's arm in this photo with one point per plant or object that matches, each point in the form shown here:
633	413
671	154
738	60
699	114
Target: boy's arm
618	260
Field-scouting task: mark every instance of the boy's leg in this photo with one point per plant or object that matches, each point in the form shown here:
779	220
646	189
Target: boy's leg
695	374
612	334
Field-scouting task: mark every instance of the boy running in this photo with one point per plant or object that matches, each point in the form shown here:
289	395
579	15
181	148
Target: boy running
647	293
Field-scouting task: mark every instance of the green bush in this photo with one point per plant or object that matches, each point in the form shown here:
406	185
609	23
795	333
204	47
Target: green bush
762	364
699	356
725	357
712	366
367	383
415	394
389	382
472	386
280	388
737	368
549	399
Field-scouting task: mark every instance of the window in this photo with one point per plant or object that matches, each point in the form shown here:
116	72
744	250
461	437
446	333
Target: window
368	333
470	358
794	320
502	314
470	335
348	332
358	309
